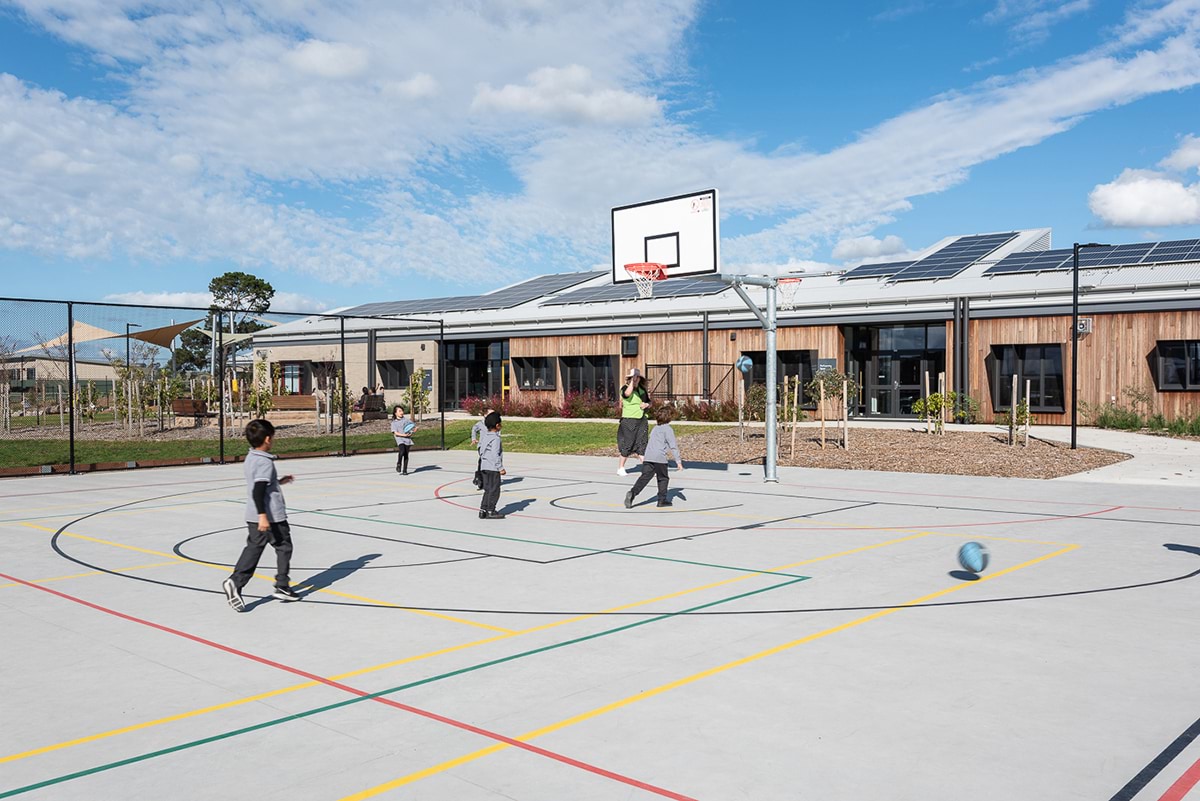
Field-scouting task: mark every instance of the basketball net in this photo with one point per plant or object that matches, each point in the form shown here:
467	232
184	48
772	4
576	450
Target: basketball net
644	274
788	289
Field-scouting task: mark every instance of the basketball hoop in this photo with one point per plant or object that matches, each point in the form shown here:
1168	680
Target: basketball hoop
644	274
788	289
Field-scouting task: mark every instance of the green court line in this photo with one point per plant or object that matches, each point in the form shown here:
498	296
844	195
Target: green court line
357	699
552	544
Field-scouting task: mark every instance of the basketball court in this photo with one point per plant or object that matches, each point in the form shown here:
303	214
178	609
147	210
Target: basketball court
811	638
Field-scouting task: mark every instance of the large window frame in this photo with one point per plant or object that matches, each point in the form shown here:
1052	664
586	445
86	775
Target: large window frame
787	363
535	373
395	373
597	374
1041	365
1177	365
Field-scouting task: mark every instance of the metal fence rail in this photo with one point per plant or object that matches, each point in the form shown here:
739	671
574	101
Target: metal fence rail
97	386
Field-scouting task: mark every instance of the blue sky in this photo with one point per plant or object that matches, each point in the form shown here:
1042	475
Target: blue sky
353	152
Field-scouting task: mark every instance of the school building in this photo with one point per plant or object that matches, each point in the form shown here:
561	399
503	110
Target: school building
978	309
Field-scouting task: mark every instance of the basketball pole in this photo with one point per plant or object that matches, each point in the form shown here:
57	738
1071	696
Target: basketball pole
771	471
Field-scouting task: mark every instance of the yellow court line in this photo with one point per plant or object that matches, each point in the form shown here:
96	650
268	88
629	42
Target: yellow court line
325	590
655	691
428	655
92	573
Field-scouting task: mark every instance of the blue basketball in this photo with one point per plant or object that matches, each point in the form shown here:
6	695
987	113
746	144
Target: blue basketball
744	363
973	557
410	427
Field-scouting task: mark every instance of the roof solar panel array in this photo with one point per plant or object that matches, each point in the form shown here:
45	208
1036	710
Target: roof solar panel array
954	258
506	298
876	270
670	288
1139	253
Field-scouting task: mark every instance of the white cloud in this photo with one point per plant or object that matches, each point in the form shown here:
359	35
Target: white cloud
1031	20
1145	198
333	60
1185	157
221	125
570	95
862	247
282	302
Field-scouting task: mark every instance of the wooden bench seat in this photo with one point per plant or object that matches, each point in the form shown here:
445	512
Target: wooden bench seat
293	403
191	407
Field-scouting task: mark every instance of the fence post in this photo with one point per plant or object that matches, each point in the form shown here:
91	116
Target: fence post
1028	414
71	381
1012	413
846	415
219	377
345	381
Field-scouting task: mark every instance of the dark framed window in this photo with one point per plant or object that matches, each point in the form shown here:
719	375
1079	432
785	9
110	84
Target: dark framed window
788	363
589	374
1177	365
534	372
629	346
395	373
1040	365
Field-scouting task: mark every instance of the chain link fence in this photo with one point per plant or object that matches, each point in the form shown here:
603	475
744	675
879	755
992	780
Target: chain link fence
95	386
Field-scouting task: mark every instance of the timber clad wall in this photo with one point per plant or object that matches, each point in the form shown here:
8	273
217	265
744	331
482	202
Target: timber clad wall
1119	353
677	347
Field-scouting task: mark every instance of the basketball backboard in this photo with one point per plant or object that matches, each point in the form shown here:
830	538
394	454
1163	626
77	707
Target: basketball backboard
681	232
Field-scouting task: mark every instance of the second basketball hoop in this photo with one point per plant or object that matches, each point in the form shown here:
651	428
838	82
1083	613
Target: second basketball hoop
644	275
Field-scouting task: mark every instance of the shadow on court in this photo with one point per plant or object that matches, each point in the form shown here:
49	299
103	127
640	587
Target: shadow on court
335	573
517	506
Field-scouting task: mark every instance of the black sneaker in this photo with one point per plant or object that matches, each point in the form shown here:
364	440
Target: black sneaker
233	595
495	515
629	500
285	594
397	469
665	503
482	515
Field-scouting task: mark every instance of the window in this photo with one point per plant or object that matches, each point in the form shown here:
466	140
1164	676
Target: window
1040	365
1178	366
590	374
534	372
629	346
788	363
292	376
395	373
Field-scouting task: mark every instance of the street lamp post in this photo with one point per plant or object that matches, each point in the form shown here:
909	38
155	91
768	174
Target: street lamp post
1075	335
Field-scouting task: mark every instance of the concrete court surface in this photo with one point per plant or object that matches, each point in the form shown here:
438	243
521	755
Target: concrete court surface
811	639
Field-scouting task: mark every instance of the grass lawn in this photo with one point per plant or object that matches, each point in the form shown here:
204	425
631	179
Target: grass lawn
519	436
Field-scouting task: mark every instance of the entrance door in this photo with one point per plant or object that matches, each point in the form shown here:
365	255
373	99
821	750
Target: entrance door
895	383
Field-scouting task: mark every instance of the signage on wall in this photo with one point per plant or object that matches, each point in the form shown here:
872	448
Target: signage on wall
826	364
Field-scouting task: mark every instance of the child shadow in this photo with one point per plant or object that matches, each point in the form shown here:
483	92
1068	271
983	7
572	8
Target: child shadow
334	573
1192	549
517	506
512	480
425	468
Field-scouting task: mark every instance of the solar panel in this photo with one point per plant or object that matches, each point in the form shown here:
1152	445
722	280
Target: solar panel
1128	255
506	298
1177	250
1034	261
670	288
954	258
876	270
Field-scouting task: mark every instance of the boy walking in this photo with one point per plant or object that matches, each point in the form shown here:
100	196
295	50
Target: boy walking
491	467
266	519
660	443
477	432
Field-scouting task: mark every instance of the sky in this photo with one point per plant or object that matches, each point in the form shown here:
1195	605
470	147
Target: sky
352	152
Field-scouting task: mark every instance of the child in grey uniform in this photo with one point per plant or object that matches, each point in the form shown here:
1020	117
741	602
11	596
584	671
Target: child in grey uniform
658	446
477	432
266	519
491	467
404	441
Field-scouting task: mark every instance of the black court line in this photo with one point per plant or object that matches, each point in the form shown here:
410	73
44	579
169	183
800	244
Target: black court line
840	509
557	505
1158	764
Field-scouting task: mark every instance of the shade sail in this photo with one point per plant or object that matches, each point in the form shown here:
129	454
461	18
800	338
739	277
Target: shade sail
82	332
163	336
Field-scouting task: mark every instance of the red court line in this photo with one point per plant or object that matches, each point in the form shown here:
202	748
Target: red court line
458	724
1183	784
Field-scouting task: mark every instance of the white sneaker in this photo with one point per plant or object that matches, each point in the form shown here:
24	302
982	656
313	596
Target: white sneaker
285	594
233	596
621	471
